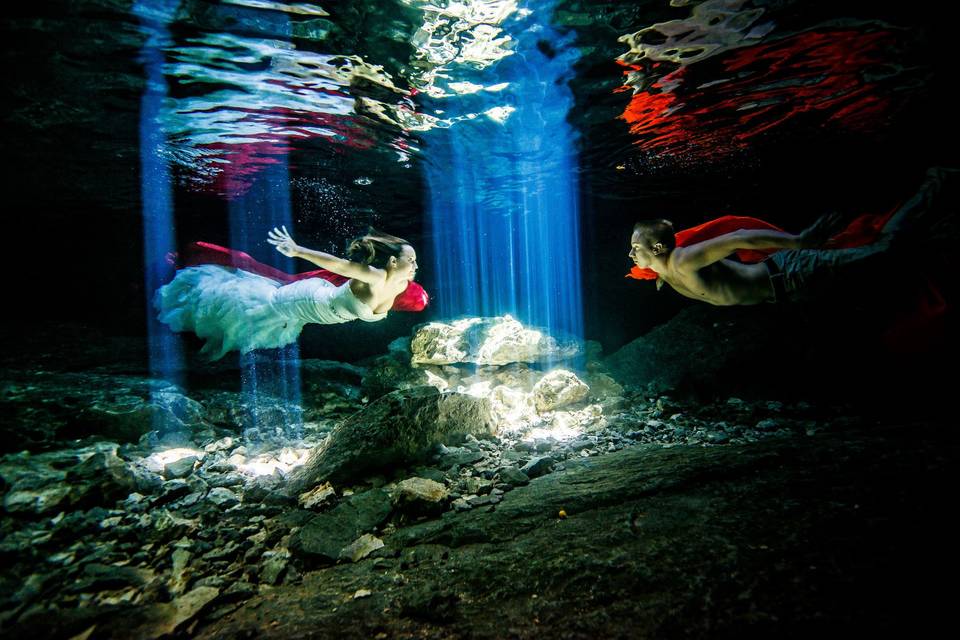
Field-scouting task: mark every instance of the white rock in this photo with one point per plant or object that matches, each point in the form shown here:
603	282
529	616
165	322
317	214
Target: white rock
510	408
489	341
557	389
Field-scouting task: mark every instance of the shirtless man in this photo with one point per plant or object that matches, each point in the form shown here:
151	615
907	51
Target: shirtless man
702	271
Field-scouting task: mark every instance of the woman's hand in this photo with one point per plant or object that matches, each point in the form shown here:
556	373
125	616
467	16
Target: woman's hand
280	238
824	228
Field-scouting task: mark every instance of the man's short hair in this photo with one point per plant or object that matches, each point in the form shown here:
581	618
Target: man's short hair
653	231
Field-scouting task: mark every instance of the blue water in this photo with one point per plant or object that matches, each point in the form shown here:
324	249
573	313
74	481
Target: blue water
166	354
265	204
500	160
503	206
265	381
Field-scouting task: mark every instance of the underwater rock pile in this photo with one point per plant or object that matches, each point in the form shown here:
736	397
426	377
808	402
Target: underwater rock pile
486	341
185	518
44	407
519	370
97	532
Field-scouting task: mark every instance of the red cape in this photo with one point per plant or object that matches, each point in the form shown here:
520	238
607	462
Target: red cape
413	298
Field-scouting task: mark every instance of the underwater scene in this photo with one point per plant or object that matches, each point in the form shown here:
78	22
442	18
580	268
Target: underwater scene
478	319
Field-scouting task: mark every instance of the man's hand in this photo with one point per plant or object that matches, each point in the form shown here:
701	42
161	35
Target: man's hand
817	234
280	238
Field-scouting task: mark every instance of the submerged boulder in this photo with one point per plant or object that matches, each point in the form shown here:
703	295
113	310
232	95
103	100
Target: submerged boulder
557	389
392	372
329	536
398	429
512	407
489	341
708	350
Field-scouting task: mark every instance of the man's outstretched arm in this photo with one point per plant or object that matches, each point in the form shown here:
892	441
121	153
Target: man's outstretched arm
704	253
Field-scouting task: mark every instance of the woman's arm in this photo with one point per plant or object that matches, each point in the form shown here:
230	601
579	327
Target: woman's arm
280	238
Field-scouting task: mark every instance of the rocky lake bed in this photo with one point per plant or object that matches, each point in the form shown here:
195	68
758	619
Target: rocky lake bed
490	499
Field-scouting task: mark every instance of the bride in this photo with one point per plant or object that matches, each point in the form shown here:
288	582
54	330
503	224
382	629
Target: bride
236	303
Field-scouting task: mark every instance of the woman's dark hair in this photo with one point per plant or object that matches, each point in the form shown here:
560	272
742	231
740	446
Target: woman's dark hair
375	248
653	231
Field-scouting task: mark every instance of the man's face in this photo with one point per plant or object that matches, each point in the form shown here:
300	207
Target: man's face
639	253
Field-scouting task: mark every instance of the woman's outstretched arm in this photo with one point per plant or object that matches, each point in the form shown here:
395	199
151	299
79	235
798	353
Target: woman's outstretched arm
280	238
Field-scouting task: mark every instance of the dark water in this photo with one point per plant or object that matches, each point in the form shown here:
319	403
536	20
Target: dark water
777	109
787	453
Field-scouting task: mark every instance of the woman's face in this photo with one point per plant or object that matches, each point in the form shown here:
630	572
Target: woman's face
406	265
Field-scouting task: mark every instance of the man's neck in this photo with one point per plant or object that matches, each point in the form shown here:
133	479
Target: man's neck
661	264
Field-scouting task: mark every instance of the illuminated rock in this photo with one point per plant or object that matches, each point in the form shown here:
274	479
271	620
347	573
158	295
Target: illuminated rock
558	389
565	424
361	548
512	407
436	381
180	468
489	341
318	496
438	343
419	489
518	376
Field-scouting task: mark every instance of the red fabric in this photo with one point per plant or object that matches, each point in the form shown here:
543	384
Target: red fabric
413	298
863	230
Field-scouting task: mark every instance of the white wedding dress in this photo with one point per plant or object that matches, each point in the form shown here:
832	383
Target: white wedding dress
234	309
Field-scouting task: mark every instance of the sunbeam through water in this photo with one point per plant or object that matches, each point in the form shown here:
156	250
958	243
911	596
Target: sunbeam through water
503	187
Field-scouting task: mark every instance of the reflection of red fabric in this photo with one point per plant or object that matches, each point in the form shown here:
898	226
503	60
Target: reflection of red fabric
863	230
413	298
820	75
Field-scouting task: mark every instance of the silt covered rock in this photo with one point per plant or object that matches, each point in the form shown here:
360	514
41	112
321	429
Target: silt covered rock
397	429
419	496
